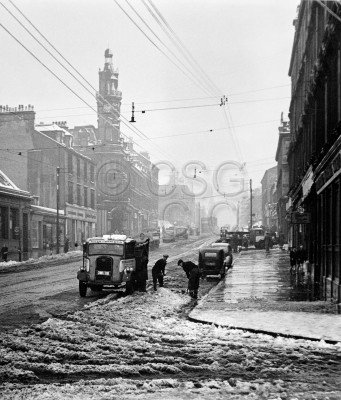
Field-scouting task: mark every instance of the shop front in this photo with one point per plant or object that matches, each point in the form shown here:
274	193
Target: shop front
328	187
44	226
14	219
80	225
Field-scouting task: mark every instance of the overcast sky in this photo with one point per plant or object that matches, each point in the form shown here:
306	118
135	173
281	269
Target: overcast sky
241	49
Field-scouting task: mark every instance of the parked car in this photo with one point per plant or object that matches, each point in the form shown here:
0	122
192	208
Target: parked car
227	248
168	235
212	262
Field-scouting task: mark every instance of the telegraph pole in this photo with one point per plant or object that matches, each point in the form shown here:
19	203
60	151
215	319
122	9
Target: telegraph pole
250	203
58	244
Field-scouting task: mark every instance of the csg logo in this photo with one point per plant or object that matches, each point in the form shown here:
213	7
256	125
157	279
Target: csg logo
113	178
228	179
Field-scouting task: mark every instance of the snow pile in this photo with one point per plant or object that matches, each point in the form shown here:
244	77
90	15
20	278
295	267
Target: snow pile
43	259
141	347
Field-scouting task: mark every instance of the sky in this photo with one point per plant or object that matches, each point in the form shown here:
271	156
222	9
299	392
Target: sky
176	68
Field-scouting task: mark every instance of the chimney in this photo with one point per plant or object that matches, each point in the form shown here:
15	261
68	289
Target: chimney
11	116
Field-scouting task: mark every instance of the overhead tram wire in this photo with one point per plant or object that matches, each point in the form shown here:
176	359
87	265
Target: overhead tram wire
154	44
165	45
189	56
218	92
61	81
160	23
45	38
105	101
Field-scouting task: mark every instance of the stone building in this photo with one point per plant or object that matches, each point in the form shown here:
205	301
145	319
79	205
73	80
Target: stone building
41	161
127	181
269	199
315	149
15	216
282	178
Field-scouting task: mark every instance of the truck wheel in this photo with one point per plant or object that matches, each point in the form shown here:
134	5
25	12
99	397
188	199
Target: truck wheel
82	288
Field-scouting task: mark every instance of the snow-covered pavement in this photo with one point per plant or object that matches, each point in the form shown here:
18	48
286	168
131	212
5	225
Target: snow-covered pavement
255	296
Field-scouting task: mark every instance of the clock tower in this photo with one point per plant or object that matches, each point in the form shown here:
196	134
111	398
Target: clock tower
108	102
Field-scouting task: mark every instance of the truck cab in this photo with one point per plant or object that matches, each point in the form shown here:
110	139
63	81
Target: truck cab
108	262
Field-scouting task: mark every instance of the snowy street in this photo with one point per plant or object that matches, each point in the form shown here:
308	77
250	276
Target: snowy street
144	347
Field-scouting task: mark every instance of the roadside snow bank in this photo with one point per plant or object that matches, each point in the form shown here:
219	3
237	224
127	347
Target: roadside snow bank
44	259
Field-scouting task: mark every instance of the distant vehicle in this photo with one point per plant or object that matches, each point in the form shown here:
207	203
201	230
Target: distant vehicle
227	248
257	236
109	262
212	262
169	235
180	232
237	239
154	237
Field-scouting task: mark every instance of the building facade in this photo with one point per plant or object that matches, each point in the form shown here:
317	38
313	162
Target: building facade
41	161
282	179
15	215
127	181
269	200
314	155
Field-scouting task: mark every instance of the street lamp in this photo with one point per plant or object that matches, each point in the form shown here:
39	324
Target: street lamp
58	244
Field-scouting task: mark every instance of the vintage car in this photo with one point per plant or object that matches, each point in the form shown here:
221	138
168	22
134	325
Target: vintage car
212	262
227	252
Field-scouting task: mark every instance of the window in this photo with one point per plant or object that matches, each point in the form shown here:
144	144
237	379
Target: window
79	199
85	196
92	173
4	222
14	223
70	192
92	198
69	163
35	234
85	171
78	168
105	248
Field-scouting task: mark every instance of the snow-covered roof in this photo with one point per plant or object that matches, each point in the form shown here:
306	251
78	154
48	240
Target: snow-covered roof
51	128
10	187
6	182
46	210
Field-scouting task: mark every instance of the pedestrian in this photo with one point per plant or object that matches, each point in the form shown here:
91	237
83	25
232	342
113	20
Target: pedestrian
4	252
301	257
193	275
267	241
141	272
51	245
293	257
66	245
158	271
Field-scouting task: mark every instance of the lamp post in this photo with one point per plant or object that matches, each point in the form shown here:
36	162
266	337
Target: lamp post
58	244
250	203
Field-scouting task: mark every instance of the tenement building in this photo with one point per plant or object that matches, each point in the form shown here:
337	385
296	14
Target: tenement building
40	160
269	200
282	179
314	157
